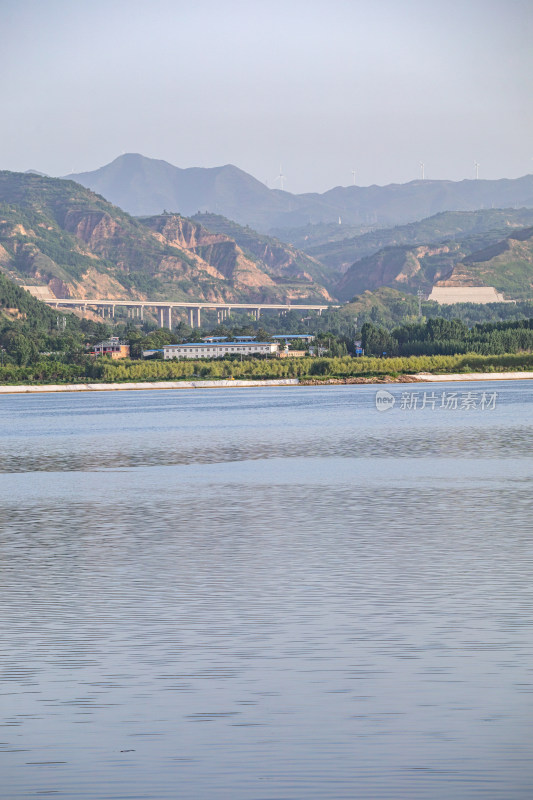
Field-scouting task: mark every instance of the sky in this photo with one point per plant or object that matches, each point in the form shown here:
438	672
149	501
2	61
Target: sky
330	92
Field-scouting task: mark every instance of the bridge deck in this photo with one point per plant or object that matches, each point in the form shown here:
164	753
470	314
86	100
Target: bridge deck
74	301
193	308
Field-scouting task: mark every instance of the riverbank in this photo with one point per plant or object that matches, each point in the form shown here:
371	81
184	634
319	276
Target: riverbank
422	377
427	377
235	384
143	385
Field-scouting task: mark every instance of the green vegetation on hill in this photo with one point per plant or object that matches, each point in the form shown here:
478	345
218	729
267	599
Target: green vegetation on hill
318	234
339	253
507	265
483	259
57	233
31	332
389	308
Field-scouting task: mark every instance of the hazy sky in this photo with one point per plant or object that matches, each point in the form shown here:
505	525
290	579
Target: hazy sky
321	87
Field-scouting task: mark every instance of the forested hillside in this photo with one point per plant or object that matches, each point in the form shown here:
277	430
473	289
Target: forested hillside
30	329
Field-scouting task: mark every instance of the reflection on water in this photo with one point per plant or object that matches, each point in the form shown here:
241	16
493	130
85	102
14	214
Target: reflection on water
265	594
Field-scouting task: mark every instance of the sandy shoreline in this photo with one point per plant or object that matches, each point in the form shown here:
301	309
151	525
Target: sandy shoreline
427	377
422	377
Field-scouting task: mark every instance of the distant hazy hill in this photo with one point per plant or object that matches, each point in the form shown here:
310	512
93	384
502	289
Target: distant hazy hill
147	186
340	254
57	233
481	259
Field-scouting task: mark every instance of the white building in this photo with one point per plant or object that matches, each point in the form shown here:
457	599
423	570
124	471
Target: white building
218	348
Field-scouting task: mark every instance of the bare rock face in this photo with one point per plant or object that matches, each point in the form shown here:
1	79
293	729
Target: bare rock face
5	258
91	226
76	243
214	249
95	284
182	232
59	288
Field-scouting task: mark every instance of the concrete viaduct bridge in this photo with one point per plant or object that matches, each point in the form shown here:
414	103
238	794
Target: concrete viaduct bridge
135	308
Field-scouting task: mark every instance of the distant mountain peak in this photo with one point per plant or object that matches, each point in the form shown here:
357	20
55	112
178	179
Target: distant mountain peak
146	186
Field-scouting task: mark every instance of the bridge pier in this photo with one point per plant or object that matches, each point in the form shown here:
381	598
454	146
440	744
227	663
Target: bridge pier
194	317
169	318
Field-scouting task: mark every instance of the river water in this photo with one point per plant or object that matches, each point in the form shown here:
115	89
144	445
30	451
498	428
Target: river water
267	594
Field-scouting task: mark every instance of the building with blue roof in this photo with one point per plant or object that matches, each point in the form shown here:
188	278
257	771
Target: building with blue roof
216	348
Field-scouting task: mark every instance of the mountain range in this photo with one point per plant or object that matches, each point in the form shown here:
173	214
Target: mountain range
62	236
59	234
145	186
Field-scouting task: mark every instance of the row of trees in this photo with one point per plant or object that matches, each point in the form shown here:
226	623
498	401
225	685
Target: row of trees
449	337
104	370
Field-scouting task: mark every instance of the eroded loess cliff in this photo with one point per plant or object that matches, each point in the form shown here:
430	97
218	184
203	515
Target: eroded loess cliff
66	238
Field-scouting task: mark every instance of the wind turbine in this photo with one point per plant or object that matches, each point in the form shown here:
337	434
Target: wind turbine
476	167
353	176
422	169
280	178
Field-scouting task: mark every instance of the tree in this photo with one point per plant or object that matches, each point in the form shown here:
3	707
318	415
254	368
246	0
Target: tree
377	341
